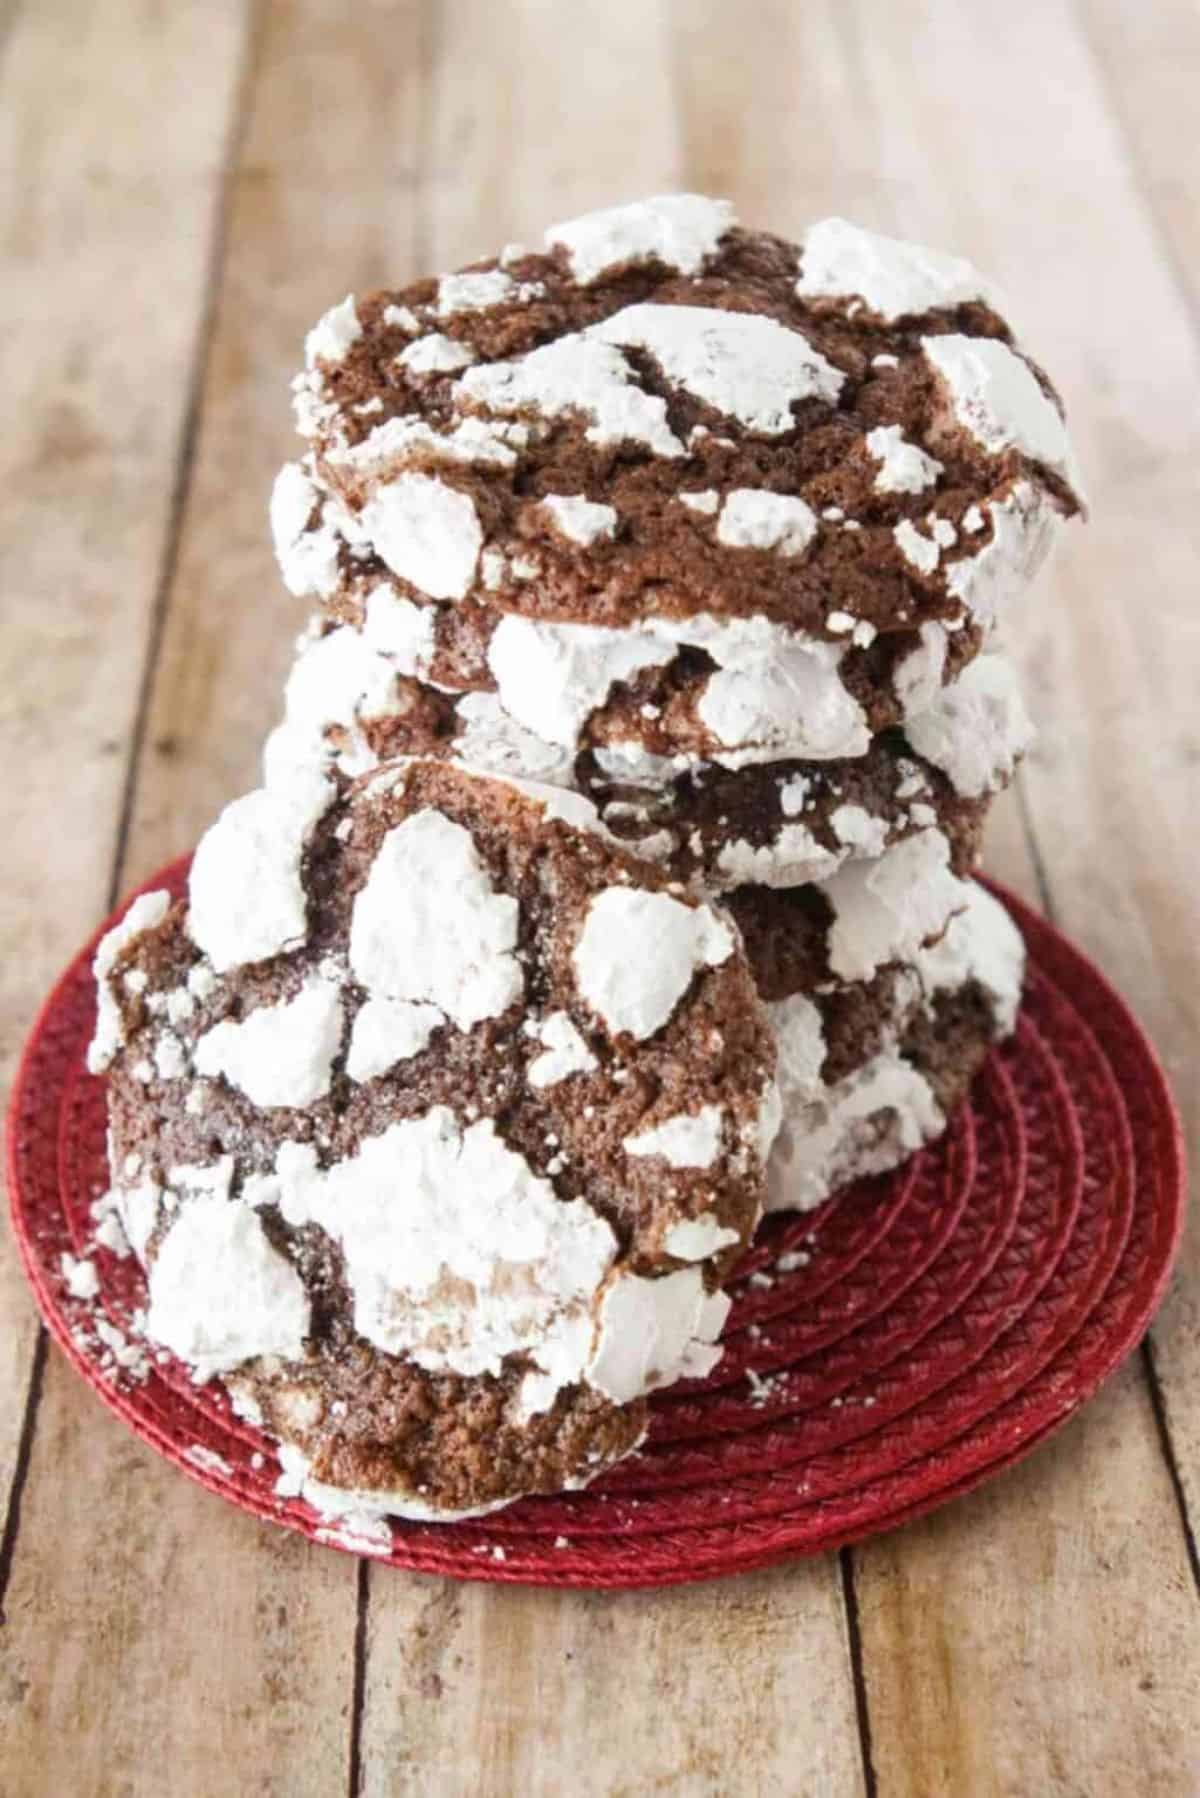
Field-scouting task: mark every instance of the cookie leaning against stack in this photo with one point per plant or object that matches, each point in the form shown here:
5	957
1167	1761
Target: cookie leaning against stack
630	773
437	1121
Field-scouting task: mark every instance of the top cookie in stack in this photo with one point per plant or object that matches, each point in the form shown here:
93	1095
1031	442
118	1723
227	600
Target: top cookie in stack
672	490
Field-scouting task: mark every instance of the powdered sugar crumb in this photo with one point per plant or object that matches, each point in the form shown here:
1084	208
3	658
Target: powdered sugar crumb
208	1460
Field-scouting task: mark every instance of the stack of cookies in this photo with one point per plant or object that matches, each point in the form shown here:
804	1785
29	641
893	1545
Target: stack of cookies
608	883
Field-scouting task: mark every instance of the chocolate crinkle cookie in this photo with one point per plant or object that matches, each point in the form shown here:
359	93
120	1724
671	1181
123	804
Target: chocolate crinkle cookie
771	493
778	823
870	1071
437	1121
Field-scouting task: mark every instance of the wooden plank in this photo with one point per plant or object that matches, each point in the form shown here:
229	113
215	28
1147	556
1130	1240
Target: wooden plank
103	293
156	1641
327	198
1149	59
1039	1636
517	139
733	1687
195	1639
1025	1610
490	1688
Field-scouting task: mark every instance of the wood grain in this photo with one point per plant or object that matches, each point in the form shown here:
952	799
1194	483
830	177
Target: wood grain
1039	1636
740	1686
1147	58
103	297
157	1641
229	622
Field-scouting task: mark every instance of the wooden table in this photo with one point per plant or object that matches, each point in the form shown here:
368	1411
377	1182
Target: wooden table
187	184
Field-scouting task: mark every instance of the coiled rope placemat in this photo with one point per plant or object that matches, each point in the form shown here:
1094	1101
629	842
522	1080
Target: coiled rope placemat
925	1330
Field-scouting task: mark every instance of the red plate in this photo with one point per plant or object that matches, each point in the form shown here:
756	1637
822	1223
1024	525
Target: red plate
937	1324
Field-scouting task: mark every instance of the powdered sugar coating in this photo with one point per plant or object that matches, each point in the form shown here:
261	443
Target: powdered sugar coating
878	1114
471	443
979	728
490	740
147	910
923	552
706	501
246	897
308	559
689	1140
576	374
1023	530
343	681
793	795
579	519
551	677
895	278
696	1238
653	1332
280	1054
884	910
429	926
753	518
220	1293
138	1207
996	396
565	1052
338	680
857	829
918	676
747	367
903	466
792	857
800	1039
864	1124
981	944
481	1261
435	354
473	291
790	703
387	1031
333	334
80	1277
427	533
400	630
774	694
638	953
679	230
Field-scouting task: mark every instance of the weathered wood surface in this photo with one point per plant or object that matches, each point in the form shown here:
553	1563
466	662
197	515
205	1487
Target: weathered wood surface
186	188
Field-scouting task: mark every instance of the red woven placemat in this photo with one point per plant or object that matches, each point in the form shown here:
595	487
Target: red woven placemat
931	1327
